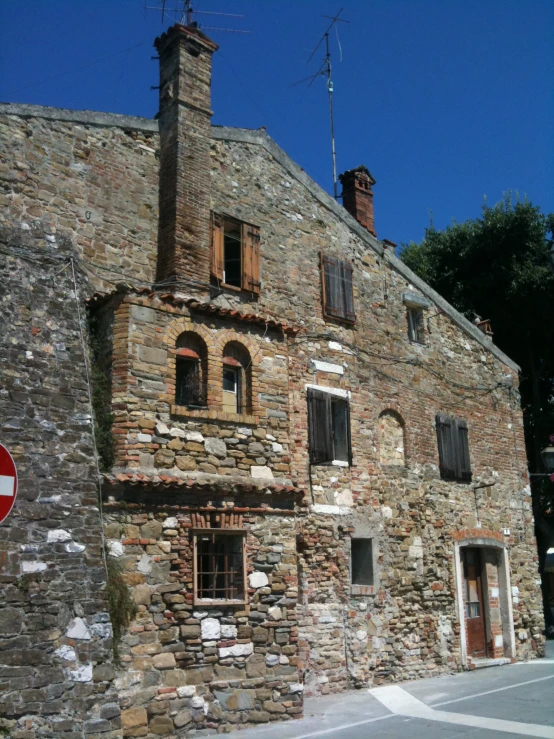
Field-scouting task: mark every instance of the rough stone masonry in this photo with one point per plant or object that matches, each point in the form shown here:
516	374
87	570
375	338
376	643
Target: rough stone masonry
259	573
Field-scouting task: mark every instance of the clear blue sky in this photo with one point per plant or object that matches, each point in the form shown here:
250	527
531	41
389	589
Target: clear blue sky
444	100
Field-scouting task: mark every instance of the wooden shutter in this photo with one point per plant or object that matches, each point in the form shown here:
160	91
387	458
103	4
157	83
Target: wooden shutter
464	462
446	435
347	291
319	426
333	301
250	238
217	259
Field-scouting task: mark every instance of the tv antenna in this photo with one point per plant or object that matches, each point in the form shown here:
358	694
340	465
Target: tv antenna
184	13
325	70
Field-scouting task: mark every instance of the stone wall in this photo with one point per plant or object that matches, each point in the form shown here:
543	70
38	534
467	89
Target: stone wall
191	666
55	646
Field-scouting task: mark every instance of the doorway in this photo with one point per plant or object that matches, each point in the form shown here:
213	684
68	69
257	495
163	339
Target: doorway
473	602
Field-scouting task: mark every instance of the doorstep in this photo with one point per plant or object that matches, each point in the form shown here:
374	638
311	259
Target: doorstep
479	663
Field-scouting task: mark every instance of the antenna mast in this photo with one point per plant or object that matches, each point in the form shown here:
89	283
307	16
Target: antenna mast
326	70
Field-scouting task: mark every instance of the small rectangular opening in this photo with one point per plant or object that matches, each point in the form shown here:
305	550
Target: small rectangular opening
188	390
220	567
416	329
231	389
362	561
232	253
339	420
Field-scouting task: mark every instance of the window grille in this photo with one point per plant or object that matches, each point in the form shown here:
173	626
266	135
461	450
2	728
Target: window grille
219	566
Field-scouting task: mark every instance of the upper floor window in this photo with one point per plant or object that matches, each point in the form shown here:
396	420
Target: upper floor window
329	428
190	370
416	327
235	261
338	296
453	442
236	379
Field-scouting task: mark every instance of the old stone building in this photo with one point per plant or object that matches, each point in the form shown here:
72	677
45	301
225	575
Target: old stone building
317	478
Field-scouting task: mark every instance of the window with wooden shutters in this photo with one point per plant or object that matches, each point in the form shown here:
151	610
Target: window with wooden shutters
329	428
453	444
235	257
338	294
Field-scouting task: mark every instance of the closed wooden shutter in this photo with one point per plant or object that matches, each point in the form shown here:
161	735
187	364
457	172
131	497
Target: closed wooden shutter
319	426
250	237
464	462
217	248
347	291
446	433
332	287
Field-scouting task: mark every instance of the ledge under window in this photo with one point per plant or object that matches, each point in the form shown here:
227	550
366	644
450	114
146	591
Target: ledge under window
213	415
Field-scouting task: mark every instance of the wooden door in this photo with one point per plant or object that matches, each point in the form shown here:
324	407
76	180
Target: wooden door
473	602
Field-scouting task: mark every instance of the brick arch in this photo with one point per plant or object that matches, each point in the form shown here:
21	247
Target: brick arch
221	340
172	332
177	327
395	410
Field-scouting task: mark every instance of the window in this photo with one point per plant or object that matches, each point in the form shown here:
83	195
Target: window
219	566
416	327
236	379
453	443
338	297
231	389
190	370
361	562
329	428
235	259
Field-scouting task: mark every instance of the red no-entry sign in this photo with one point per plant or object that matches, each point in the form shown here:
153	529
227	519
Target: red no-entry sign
8	482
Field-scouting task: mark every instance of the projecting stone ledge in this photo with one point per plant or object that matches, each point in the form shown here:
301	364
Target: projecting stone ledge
262	481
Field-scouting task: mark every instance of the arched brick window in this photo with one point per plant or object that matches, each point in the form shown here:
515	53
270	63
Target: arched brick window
237	378
191	370
391	439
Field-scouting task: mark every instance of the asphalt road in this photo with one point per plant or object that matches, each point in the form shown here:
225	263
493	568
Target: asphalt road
508	701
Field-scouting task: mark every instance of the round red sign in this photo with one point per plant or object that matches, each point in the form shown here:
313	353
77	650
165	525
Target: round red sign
8	482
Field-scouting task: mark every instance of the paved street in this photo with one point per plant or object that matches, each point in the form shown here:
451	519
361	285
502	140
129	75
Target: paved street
508	701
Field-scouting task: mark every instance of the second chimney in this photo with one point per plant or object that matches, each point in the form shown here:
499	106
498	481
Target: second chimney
357	196
184	184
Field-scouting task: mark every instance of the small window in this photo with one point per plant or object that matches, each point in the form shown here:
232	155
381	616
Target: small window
338	296
236	379
329	428
219	567
190	370
231	389
453	443
235	261
361	562
416	327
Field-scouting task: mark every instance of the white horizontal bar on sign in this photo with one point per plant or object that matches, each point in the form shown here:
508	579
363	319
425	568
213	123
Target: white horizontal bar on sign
336	369
7	485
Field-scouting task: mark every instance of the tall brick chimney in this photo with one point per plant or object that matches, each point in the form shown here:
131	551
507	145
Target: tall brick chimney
184	185
357	196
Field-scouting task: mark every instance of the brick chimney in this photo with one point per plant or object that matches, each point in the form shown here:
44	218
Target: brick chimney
357	196
184	183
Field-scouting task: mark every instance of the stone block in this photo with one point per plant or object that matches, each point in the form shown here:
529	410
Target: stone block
161	726
185	463
215	446
210	629
133	718
182	718
151	530
142	595
164	661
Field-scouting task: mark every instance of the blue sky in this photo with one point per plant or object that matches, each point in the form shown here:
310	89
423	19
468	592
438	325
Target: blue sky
445	101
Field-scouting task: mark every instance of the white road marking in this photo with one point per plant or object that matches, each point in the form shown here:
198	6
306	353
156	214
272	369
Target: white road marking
400	702
488	692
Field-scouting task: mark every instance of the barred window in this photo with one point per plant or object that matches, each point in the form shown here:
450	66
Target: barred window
219	566
190	370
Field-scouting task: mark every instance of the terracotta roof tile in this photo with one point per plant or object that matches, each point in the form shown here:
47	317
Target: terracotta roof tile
215	482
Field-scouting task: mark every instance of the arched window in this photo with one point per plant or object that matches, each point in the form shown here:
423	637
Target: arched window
391	439
236	380
191	370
